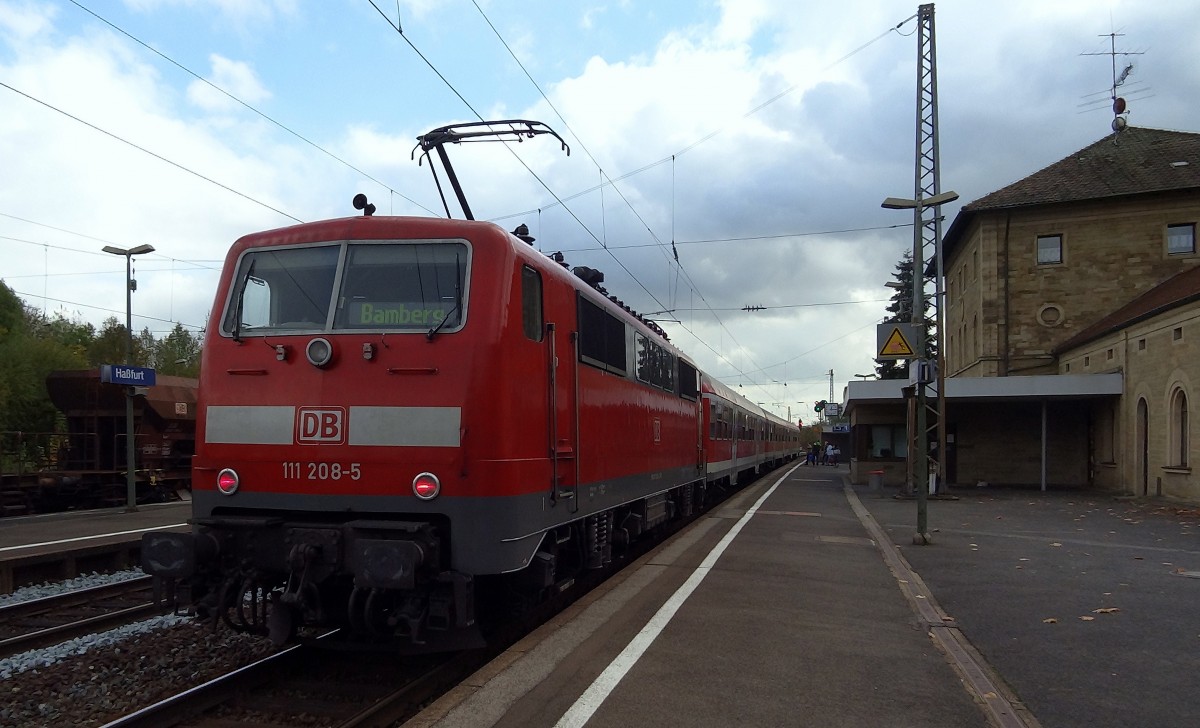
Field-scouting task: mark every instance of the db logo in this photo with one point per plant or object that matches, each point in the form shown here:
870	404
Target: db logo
321	425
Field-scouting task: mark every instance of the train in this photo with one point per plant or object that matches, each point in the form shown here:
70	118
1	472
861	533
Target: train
83	466
407	424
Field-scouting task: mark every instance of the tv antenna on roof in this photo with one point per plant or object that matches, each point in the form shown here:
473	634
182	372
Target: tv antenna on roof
1120	107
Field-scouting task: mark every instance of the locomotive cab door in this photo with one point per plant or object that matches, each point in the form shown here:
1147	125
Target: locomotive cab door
561	379
563	368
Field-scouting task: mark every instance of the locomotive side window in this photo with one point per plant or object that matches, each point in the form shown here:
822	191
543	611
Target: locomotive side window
689	383
531	303
601	338
655	365
287	289
410	286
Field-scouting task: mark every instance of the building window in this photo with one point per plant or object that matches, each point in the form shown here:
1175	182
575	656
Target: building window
1087	361
1177	333
1181	239
1049	249
1108	354
1068	369
1179	445
1141	344
889	441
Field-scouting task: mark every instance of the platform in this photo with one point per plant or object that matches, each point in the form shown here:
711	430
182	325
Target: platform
776	609
57	546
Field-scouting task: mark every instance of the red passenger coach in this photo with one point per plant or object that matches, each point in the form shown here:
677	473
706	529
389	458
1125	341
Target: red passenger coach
743	440
398	414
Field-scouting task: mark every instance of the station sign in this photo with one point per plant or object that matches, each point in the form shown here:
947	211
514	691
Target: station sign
129	376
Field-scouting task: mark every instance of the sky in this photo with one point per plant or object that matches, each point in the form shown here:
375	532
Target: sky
757	136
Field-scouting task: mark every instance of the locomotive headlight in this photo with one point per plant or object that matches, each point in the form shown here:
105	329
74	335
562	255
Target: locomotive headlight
426	486
228	481
319	352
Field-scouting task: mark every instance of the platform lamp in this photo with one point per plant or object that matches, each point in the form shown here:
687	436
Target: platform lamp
130	287
919	438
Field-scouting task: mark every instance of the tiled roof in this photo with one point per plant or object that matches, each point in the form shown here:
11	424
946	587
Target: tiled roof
1176	291
1134	161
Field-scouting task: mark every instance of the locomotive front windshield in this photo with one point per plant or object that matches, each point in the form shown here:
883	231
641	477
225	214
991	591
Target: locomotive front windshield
355	286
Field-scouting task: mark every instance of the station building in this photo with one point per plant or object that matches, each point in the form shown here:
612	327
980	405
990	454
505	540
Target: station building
1071	329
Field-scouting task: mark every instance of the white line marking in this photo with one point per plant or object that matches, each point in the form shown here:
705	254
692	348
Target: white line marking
89	538
588	703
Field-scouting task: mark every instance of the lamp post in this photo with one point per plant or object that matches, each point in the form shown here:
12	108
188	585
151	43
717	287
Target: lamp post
130	287
920	437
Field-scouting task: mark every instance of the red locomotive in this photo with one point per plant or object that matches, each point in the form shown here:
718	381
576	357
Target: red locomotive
396	413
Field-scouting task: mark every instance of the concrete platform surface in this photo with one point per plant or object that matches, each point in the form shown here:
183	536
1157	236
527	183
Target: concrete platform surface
774	610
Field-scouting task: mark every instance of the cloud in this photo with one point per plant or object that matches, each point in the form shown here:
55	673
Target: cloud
237	79
774	129
20	21
242	13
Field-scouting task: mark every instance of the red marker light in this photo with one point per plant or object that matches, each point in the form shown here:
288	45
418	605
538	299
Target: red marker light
228	481
426	486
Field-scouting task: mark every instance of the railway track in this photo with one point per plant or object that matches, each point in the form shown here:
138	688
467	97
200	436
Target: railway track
51	620
308	685
314	684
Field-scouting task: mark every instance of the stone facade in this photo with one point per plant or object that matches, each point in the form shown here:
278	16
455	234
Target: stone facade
1010	312
1006	312
1144	443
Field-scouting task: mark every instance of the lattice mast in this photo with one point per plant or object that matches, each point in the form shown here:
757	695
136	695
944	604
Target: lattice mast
927	237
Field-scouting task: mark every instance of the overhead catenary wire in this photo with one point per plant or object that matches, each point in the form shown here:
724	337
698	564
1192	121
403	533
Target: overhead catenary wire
397	26
156	155
108	310
658	242
244	104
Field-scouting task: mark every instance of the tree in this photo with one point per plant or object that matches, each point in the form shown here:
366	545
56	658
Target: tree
109	345
71	333
900	312
178	353
145	349
12	311
29	352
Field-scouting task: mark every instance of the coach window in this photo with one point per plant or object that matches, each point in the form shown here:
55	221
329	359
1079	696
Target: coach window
1049	249
531	303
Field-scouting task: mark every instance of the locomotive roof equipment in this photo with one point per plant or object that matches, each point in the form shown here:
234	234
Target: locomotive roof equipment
437	139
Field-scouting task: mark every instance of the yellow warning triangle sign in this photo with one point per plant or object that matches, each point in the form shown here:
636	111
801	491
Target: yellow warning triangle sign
897	345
